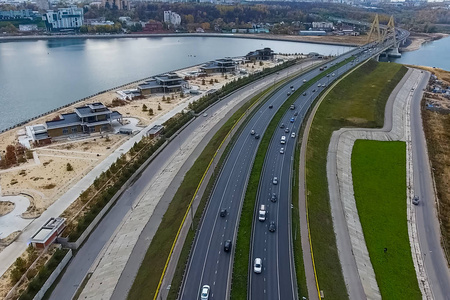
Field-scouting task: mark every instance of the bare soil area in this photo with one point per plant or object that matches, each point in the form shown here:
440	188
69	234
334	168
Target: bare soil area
417	39
6	207
438	141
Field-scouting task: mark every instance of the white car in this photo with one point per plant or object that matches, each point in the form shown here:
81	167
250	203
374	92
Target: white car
282	150
252	132
275	180
204	294
293	135
257	267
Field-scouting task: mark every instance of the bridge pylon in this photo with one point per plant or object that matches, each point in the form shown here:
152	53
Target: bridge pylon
375	29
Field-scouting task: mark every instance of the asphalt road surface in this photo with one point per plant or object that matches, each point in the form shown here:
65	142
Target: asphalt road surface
209	263
426	214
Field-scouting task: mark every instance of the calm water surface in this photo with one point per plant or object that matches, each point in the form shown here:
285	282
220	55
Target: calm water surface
38	76
432	54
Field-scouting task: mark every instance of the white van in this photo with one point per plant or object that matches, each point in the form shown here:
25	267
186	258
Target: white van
262	213
283	139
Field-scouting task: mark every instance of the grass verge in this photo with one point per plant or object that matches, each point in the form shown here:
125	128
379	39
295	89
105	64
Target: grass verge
296	237
379	182
358	100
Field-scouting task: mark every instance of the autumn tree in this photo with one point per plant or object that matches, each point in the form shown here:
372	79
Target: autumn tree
10	156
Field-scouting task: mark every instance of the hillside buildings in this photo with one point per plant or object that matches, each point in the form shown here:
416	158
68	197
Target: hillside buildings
116	4
64	19
172	18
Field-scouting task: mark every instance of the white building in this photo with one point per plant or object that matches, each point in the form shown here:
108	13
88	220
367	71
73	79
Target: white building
172	18
64	18
322	25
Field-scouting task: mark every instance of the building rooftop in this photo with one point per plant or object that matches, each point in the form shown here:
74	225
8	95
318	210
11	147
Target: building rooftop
155	129
52	225
87	111
66	120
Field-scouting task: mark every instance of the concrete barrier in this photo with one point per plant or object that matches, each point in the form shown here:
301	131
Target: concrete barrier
48	283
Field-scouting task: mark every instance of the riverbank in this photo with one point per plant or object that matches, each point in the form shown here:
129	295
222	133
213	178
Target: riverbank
417	39
334	40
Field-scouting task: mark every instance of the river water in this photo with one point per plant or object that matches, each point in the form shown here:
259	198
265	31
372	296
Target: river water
38	76
432	54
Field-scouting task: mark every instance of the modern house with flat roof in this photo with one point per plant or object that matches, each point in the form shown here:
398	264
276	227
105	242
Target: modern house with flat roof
91	118
48	233
260	54
223	65
166	83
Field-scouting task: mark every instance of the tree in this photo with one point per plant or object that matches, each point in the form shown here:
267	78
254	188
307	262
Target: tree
144	107
164	98
211	81
10	155
69	167
150	112
203	82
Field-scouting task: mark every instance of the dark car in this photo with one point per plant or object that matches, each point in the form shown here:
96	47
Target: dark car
313	91
257	136
282	125
286	130
227	246
273	198
304	94
270	106
296	113
272	226
289	93
292	86
223	212
416	200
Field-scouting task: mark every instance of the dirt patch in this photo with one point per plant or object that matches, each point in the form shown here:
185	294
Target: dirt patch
6	207
417	39
9	239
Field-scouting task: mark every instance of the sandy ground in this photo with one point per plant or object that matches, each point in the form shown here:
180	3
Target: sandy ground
417	39
331	39
6	207
47	179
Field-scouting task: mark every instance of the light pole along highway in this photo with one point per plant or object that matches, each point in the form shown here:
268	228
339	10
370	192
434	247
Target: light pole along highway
209	264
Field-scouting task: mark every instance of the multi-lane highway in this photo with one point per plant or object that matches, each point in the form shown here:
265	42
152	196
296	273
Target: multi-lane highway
209	264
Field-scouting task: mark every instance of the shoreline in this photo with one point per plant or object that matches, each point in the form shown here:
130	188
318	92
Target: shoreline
283	38
418	39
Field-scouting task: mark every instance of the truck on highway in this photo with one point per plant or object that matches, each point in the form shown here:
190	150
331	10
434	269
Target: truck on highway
262	213
283	140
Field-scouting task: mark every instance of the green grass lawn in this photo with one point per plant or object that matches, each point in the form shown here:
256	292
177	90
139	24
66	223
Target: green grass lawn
357	101
379	181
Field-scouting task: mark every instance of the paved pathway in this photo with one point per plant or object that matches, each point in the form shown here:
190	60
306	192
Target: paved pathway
10	221
357	268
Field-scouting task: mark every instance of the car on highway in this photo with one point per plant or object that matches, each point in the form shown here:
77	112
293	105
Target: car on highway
332	74
319	85
286	130
283	140
223	212
275	180
282	125
314	90
257	136
288	93
204	294
292	86
296	113
292	107
257	266
227	246
304	94
304	80
324	85
270	106
292	120
252	132
273	198
272	226
293	135
416	200
282	150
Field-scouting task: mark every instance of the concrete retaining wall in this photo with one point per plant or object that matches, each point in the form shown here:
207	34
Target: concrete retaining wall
53	276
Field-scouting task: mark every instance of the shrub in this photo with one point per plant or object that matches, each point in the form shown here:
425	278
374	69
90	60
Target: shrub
69	167
150	112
